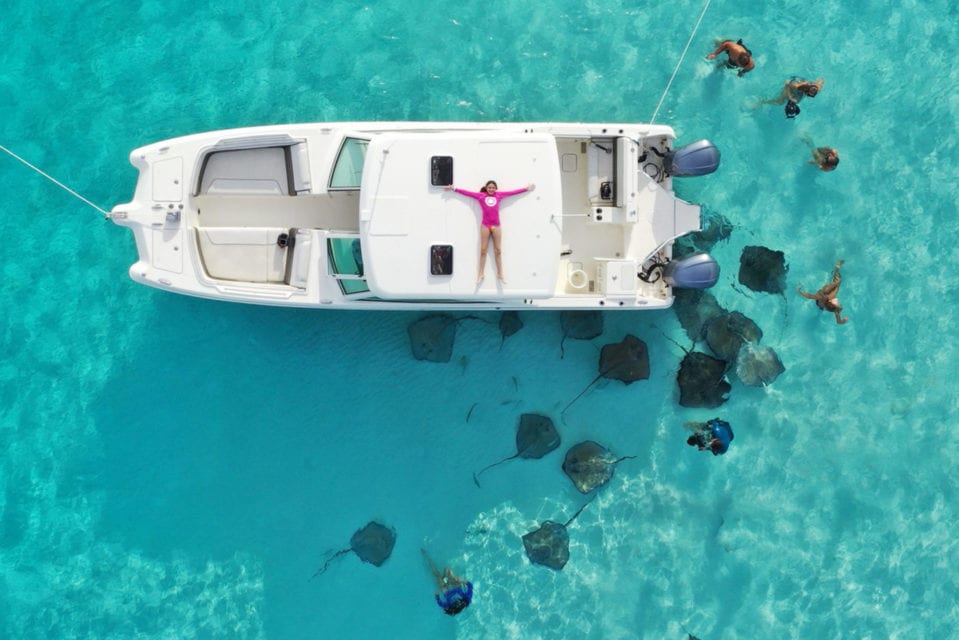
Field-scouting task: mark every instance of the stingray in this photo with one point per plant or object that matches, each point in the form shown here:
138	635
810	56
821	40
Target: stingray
373	544
702	381
763	269
535	437
431	338
726	334
549	545
694	308
716	227
626	361
509	323
590	465
580	325
758	366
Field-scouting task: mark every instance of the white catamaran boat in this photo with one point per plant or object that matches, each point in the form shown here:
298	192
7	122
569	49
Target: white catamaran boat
356	215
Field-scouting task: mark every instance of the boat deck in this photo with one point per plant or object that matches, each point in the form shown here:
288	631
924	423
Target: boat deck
600	214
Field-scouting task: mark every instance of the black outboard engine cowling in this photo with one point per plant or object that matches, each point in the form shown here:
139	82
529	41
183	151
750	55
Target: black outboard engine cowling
698	271
694	159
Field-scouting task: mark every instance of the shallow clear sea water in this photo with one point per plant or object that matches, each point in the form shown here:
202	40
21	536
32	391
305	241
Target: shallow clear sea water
179	468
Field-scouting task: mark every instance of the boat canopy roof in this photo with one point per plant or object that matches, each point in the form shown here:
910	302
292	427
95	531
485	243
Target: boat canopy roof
421	241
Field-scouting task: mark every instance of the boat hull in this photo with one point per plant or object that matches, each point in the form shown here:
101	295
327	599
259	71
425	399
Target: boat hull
359	215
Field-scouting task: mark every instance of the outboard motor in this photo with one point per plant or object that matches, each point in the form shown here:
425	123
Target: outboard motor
698	271
694	159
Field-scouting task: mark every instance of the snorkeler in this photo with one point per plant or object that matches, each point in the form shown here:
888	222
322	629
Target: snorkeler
827	297
826	158
714	435
793	92
455	593
738	56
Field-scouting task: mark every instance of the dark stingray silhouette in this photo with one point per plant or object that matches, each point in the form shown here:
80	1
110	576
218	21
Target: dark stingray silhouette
694	308
758	366
580	325
509	323
691	636
726	334
373	544
716	228
549	545
535	437
590	465
431	338
627	361
763	269
702	381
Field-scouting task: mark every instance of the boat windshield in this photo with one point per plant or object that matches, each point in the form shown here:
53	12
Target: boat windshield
348	169
346	264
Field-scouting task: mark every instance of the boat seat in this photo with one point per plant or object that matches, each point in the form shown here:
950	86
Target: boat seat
298	263
246	254
281	170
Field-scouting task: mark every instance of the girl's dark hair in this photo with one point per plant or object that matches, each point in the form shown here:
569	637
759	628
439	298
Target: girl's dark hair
488	183
456	606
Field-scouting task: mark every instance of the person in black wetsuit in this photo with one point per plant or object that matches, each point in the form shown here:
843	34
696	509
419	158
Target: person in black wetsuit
455	593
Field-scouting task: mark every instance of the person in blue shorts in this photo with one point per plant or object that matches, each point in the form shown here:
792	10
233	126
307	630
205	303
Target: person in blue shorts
714	435
455	593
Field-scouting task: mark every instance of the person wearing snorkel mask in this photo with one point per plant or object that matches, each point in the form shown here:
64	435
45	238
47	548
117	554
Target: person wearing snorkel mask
794	90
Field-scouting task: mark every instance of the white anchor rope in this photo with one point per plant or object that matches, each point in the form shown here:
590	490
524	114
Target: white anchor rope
53	180
676	70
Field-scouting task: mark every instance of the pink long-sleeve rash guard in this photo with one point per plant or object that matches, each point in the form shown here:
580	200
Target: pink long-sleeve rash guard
490	203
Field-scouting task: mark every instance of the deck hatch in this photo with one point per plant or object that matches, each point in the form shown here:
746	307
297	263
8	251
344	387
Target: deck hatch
441	171
441	259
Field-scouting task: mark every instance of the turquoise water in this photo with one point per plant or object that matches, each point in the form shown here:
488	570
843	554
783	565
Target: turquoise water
178	468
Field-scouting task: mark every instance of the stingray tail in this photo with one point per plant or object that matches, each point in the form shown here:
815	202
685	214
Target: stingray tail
326	564
576	515
685	350
490	466
581	393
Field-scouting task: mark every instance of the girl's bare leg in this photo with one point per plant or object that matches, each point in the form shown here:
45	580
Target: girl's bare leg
433	568
497	253
484	243
835	272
